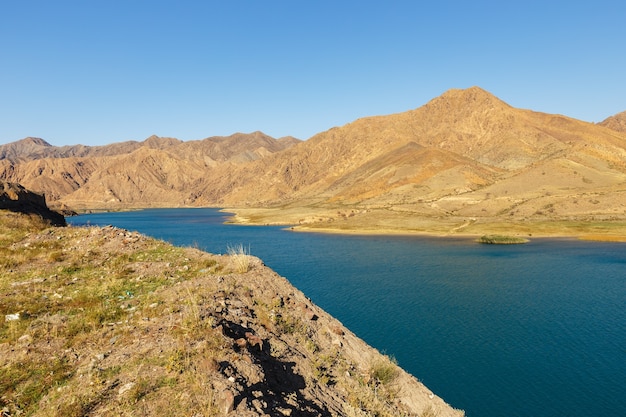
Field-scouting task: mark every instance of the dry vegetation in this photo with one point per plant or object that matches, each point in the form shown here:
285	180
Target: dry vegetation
501	240
102	321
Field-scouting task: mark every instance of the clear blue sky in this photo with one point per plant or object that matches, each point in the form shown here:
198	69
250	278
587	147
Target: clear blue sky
98	72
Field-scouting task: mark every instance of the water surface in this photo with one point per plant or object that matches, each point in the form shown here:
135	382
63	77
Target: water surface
522	330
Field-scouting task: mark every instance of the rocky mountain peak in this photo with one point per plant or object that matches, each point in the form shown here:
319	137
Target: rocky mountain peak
468	100
616	122
33	141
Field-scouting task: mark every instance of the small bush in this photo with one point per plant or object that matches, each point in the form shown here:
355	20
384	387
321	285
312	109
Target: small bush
384	371
501	240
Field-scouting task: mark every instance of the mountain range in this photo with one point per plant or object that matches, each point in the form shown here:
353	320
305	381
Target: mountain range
464	158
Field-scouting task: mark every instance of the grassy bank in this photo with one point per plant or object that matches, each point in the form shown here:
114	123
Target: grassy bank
103	321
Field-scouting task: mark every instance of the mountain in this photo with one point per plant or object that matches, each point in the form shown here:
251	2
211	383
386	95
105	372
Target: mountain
464	157
464	153
616	122
154	172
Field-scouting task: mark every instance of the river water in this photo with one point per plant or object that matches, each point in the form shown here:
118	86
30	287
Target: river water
522	330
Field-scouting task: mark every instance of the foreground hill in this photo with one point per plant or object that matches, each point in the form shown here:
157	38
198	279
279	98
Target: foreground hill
102	321
465	162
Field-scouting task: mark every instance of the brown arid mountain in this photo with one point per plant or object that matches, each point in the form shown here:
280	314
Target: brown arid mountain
31	148
157	172
465	162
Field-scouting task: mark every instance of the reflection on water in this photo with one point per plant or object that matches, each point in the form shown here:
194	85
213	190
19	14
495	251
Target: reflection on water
521	330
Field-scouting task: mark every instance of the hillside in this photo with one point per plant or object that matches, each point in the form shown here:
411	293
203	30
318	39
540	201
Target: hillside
15	198
490	135
102	321
465	162
155	172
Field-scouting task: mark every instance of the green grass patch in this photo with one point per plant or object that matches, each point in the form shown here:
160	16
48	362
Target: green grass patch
501	240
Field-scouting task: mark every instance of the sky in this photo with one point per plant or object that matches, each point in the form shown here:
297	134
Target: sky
99	72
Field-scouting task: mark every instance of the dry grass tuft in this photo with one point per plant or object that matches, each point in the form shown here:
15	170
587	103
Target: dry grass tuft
240	257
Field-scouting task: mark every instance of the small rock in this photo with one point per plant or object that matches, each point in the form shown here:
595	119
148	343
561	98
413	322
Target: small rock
254	340
337	330
259	405
11	317
125	388
228	401
284	411
241	342
25	339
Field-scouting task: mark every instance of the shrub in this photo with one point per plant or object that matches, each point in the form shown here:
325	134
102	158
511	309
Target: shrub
501	240
384	371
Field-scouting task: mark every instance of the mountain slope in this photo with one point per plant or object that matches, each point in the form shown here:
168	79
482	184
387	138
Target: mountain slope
155	172
497	140
463	155
15	198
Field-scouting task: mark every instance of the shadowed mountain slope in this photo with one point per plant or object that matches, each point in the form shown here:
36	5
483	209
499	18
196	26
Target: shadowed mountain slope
15	198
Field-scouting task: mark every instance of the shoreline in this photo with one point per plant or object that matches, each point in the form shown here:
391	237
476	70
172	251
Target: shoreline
384	222
445	228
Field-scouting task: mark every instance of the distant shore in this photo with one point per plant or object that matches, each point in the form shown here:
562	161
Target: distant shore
348	221
386	222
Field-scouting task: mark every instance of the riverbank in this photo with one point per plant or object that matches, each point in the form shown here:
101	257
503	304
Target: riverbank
394	222
103	321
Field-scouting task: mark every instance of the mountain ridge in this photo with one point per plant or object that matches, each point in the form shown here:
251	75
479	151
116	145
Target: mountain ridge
460	155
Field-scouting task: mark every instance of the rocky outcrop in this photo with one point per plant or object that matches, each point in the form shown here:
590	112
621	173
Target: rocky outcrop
16	198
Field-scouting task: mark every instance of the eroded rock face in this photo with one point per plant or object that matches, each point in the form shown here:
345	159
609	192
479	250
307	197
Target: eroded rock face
16	198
